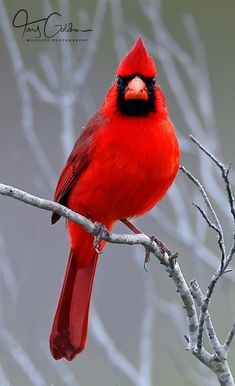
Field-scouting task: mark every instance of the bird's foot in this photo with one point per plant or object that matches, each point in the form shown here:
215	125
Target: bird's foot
161	245
146	258
100	232
164	249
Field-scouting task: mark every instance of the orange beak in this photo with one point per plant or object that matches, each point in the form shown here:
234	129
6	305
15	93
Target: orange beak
136	89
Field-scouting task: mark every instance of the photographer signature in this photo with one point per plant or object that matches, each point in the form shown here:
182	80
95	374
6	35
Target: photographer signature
40	27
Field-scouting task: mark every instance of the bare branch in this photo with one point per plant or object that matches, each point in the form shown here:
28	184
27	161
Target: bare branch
225	176
224	171
229	337
187	299
204	195
199	249
198	296
224	374
206	218
40	88
217	226
88	225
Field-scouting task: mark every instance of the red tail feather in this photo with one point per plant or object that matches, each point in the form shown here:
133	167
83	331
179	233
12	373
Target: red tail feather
69	330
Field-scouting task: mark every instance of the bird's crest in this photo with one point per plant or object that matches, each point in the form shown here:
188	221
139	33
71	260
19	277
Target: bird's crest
137	61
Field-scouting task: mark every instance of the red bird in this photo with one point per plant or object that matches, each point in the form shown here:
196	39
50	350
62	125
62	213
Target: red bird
124	161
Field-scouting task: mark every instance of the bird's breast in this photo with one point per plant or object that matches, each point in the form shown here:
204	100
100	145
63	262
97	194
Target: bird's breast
132	167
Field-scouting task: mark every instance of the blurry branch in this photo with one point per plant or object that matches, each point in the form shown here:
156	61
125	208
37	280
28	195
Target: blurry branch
62	90
217	362
138	376
146	357
118	25
3	377
7	272
23	78
21	358
117	359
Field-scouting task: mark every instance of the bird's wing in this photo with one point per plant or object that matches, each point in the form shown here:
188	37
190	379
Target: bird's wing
77	162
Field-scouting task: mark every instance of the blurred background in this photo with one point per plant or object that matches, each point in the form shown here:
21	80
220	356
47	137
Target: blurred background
48	91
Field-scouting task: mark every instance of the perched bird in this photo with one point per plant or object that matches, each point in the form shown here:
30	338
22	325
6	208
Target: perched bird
123	163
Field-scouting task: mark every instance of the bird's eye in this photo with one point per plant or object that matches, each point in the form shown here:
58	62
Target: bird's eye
119	82
153	82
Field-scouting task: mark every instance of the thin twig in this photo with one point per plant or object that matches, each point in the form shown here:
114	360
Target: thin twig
229	337
224	171
225	176
206	218
217	226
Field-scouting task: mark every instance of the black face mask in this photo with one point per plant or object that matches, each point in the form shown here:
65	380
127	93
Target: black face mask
136	107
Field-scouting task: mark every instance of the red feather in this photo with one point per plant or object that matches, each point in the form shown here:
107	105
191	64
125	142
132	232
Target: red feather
69	330
77	162
137	61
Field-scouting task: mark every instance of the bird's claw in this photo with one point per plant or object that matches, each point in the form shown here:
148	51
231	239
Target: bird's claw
171	256
146	259
161	245
100	231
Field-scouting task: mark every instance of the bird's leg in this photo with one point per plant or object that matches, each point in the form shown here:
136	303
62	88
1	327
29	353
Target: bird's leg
160	244
131	226
162	247
171	256
100	231
137	231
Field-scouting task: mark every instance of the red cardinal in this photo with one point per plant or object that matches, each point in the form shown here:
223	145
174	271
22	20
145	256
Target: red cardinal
122	164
